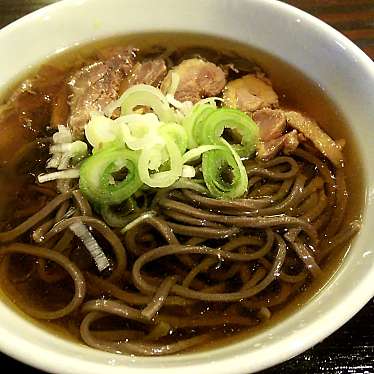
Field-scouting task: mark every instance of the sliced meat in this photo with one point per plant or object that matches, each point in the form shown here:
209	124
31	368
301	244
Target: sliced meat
310	129
96	85
272	123
150	72
291	141
273	139
197	79
267	151
287	143
250	93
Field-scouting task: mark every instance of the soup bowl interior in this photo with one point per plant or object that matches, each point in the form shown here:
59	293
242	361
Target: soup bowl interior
322	54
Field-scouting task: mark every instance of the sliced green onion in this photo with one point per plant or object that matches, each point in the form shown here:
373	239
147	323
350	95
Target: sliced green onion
100	130
152	147
144	95
184	107
63	174
97	176
65	152
193	122
63	135
77	154
219	120
224	173
195	153
76	148
98	255
162	178
54	161
139	130
188	171
177	133
157	155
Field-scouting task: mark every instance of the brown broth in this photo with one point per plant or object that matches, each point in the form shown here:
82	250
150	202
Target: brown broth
295	90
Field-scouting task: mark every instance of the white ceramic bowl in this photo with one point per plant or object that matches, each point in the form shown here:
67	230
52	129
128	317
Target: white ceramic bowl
323	54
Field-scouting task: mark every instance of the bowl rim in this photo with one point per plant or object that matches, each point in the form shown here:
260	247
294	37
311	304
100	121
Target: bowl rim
20	348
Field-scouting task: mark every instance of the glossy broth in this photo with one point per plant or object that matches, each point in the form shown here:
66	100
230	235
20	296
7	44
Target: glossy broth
295	91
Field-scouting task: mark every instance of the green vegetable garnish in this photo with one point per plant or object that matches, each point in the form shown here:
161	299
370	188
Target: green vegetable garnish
154	152
154	149
244	131
110	176
224	173
147	96
194	122
223	170
177	133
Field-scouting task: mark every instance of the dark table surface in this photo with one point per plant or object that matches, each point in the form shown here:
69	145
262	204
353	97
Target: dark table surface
350	349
